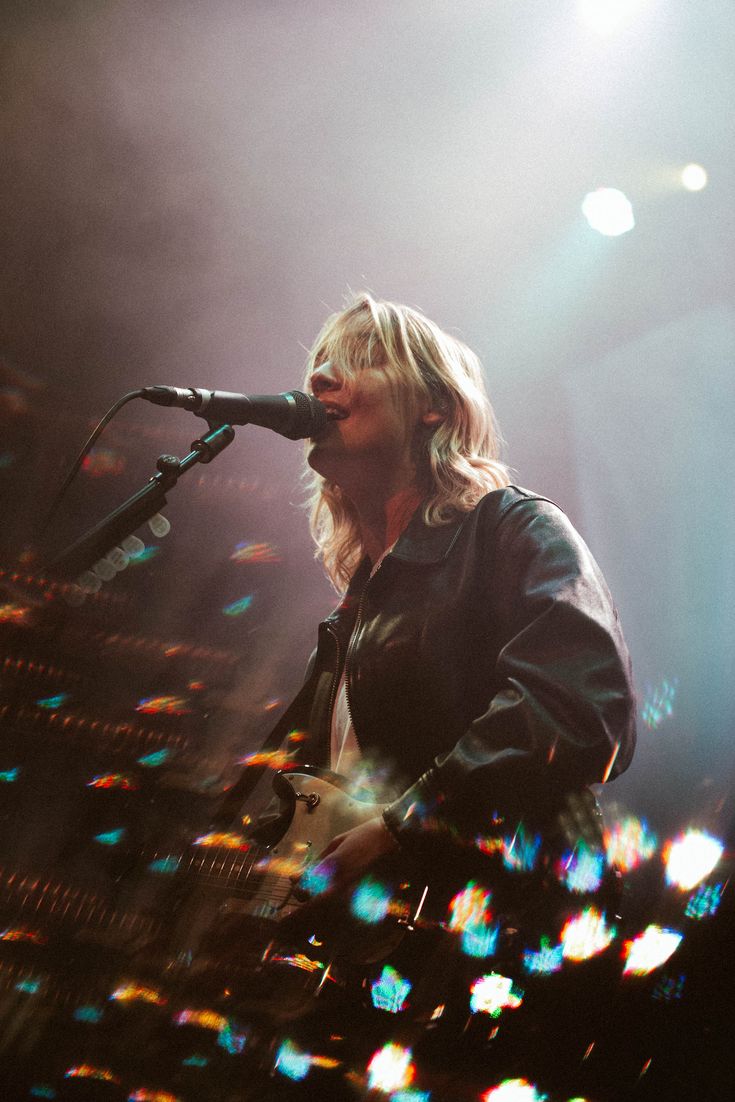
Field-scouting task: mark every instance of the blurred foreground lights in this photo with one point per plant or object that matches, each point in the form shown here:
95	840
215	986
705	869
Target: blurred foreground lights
390	991
203	1019
658	704
693	177
704	901
494	993
110	837
391	1069
583	869
90	1071
608	211
135	992
166	704
145	1095
370	901
232	1039
628	843
292	1062
649	950
586	935
690	858
236	608
513	1090
547	959
223	839
605	16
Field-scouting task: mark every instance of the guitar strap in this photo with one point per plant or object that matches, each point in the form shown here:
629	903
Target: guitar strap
244	786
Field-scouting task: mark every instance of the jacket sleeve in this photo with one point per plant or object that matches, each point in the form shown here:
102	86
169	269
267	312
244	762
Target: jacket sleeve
563	715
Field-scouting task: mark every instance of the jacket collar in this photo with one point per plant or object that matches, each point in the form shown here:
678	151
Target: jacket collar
418	543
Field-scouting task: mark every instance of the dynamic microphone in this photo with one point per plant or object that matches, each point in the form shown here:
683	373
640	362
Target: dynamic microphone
294	414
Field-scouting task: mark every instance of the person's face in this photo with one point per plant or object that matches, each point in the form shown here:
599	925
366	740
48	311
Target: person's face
371	434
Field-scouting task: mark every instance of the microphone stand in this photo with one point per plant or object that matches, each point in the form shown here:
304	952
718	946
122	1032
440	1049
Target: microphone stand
98	541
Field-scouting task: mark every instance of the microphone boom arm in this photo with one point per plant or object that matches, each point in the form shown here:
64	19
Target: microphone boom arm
143	505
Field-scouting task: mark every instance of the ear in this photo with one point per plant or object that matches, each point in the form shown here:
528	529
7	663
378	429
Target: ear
432	417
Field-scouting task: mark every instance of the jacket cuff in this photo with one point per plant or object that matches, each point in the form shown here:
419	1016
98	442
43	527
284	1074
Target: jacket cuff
413	815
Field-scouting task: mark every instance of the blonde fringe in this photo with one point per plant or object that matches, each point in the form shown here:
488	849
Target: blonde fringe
462	461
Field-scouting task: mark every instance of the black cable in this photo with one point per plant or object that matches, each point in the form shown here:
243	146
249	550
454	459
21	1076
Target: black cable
81	457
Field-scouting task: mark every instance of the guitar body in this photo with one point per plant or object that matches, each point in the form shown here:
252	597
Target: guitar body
247	926
316	805
243	922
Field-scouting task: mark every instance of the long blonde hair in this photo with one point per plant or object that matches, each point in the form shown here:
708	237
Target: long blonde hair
460	460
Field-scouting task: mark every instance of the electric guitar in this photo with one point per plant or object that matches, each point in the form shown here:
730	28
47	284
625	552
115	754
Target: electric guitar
254	920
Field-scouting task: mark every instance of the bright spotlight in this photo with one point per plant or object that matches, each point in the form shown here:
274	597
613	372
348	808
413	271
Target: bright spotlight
694	177
605	16
608	211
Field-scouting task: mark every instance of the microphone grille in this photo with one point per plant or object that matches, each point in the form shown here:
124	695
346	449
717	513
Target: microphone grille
309	418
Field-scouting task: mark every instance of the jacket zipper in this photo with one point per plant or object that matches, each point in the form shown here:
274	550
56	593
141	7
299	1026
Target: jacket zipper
333	690
351	649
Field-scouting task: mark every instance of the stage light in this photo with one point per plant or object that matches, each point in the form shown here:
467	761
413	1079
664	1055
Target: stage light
694	177
608	211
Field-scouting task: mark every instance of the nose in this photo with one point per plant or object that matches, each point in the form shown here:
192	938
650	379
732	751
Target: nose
323	378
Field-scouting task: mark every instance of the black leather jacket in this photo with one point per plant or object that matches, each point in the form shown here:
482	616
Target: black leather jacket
487	671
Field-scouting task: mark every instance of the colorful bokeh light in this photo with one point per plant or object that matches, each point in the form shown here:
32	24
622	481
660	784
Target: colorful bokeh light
690	858
513	1090
390	991
494	993
649	950
391	1069
370	901
586	935
628	843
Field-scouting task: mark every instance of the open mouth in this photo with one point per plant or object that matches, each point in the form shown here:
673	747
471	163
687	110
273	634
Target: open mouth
336	413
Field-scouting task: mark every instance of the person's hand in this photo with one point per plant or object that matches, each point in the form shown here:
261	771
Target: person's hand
350	854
